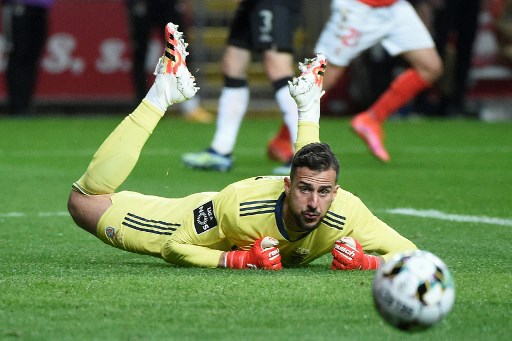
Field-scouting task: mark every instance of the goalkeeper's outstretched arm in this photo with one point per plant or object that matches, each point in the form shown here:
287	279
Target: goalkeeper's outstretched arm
264	254
306	90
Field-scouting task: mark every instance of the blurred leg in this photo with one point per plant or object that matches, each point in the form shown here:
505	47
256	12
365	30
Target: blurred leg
29	31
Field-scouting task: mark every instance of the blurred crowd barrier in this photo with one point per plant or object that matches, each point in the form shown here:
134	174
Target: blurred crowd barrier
87	54
491	73
87	58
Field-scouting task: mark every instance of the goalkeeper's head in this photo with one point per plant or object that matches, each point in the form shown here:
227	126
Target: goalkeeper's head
311	187
316	157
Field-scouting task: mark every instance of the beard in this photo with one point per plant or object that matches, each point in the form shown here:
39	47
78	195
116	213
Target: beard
304	224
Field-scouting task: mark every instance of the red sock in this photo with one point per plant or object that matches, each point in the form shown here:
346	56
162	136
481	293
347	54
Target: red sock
404	88
283	134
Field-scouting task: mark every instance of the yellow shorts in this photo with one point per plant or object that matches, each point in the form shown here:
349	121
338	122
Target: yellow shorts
142	223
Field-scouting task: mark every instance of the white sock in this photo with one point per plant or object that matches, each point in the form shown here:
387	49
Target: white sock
289	109
233	104
189	106
152	97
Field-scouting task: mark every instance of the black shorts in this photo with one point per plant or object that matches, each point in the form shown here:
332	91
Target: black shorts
261	25
155	13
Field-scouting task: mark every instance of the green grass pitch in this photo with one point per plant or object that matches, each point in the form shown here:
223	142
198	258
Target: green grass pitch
448	188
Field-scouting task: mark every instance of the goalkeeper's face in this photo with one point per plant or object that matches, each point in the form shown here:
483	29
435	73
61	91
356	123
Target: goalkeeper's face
309	196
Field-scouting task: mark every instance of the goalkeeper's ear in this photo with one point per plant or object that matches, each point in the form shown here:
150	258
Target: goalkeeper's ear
287	185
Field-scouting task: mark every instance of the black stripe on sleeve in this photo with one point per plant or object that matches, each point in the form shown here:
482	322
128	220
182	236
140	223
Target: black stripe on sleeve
257	207
148	225
334	220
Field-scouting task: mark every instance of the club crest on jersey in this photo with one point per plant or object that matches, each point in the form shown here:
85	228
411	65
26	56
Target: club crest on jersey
110	232
298	255
204	218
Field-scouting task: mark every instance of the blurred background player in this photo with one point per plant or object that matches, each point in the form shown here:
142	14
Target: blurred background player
502	12
25	27
144	16
266	26
456	21
356	25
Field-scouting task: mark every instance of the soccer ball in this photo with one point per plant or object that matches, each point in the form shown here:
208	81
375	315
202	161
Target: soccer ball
413	291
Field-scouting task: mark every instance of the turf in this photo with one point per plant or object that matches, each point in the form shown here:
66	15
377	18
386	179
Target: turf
59	283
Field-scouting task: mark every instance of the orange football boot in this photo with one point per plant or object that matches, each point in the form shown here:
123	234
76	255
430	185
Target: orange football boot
280	147
370	131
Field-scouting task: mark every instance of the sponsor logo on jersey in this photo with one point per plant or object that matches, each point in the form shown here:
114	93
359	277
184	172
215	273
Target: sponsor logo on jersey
204	218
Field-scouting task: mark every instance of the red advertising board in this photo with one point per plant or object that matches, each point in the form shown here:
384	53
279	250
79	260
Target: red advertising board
87	55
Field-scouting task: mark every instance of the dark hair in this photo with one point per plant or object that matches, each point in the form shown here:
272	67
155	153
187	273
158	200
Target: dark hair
315	156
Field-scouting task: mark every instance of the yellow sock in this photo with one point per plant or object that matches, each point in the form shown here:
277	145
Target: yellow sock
118	155
308	132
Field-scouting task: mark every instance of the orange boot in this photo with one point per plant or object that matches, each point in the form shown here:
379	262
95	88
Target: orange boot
370	131
280	147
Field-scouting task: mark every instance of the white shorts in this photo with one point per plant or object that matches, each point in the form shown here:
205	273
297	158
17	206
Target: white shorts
354	27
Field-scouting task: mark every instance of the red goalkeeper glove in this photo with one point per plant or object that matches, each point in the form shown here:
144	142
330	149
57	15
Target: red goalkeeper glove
349	255
264	254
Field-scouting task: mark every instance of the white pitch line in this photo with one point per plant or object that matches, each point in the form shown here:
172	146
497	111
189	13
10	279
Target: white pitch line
451	217
53	214
38	214
12	215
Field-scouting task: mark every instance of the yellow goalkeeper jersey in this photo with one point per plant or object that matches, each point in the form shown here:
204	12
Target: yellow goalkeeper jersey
251	209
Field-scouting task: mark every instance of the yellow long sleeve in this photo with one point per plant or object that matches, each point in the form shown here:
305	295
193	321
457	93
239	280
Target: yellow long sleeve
308	132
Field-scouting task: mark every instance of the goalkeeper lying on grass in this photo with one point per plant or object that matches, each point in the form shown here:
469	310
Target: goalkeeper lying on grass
262	222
